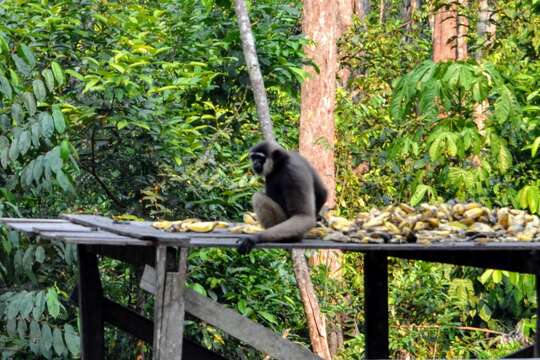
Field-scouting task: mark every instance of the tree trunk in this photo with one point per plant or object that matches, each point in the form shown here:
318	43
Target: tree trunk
254	70
317	132
449	33
316	322
323	22
486	29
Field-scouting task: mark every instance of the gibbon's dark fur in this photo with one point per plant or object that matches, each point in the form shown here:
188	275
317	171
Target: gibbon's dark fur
294	195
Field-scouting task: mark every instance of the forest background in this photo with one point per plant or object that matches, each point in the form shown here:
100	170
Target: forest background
143	108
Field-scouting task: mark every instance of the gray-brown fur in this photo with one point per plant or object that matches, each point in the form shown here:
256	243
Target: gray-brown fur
294	194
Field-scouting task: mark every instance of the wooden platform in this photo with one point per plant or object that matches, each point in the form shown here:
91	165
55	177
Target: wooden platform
139	243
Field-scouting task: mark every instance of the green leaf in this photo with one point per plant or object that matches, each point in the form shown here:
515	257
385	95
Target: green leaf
65	150
53	160
37	169
28	259
14	307
58	73
199	288
4	46
11	327
17	113
63	181
39	90
29	55
39	305
72	340
14	150
47	124
5	87
35	130
29	103
58	342
22	328
534	146
419	194
268	317
49	79
15	80
435	149
53	305
504	159
40	254
58	117
21	66
451	147
35	334
485	276
4	151
46	341
24	142
485	313
533	199
26	305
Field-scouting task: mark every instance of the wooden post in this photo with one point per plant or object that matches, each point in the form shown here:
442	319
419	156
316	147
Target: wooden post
537	333
90	305
376	305
169	307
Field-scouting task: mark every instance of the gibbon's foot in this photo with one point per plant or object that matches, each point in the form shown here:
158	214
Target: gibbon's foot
246	245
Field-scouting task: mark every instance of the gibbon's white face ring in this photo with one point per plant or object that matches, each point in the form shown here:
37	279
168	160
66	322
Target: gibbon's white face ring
268	167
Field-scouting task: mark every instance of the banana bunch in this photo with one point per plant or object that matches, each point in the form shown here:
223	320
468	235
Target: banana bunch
192	224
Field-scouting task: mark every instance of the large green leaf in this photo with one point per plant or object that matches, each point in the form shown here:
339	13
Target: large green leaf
58	117
49	79
72	340
29	102
58	73
21	65
46	341
35	335
39	305
47	124
17	113
29	55
5	87
39	90
24	142
58	342
53	305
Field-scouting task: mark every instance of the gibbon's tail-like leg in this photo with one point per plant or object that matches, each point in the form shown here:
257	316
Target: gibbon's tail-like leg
269	213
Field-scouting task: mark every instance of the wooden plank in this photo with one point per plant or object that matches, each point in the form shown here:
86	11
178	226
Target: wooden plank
376	305
94	237
148	279
34	228
145	232
169	307
25	220
161	259
142	328
90	306
242	328
202	241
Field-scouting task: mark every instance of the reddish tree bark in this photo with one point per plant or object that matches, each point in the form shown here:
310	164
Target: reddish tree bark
317	132
449	33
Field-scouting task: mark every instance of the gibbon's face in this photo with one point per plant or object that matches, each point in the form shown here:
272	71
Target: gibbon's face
262	165
257	160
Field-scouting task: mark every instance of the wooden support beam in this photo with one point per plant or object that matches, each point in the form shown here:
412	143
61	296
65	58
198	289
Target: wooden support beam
142	328
231	322
376	305
135	255
169	307
90	305
253	334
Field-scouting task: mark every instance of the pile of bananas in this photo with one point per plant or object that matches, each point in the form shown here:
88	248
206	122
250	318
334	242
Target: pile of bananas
451	221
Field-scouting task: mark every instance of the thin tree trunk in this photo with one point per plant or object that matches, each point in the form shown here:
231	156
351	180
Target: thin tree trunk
382	6
315	320
255	75
316	323
486	29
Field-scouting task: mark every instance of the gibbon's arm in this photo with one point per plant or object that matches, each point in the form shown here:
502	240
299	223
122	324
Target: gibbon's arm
300	203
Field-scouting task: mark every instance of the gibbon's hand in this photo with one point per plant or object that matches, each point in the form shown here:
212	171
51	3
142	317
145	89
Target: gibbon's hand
247	244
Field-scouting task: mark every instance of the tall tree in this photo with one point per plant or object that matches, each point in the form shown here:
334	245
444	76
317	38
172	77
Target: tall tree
449	32
315	320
